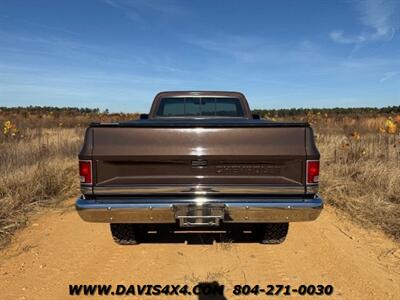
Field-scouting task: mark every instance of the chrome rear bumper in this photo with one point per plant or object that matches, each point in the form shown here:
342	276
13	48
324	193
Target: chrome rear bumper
187	211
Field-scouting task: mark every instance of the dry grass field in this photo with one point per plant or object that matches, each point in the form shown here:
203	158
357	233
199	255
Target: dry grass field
38	152
37	170
360	172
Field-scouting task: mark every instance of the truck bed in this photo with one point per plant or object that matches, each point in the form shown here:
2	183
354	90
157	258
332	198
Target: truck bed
198	157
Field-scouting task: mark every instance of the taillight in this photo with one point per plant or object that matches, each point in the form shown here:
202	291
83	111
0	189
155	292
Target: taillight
312	171
85	171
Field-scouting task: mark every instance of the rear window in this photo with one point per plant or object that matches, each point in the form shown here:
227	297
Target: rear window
196	107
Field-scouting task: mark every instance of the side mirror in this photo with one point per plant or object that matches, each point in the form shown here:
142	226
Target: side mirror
143	116
256	117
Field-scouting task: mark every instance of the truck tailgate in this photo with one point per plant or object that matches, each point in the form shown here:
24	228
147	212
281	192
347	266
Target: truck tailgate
195	160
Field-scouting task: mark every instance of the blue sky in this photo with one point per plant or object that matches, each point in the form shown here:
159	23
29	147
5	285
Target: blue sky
118	54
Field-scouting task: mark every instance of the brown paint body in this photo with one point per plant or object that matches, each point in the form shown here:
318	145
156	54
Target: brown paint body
199	152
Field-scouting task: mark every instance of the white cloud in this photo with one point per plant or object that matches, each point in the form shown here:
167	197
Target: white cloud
257	49
243	48
136	10
389	75
379	19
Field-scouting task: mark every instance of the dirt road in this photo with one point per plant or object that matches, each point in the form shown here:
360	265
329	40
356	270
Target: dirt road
58	249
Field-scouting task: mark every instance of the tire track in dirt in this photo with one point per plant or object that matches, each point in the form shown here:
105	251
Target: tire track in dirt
59	249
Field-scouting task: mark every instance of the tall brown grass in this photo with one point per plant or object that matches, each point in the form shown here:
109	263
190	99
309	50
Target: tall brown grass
360	173
36	170
362	178
38	167
360	167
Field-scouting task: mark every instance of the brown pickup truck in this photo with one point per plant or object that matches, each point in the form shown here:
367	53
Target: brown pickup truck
199	160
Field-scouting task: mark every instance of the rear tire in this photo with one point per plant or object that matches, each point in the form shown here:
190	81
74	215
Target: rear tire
274	233
124	234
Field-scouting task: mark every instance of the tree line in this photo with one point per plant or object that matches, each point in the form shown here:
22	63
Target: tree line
282	112
336	111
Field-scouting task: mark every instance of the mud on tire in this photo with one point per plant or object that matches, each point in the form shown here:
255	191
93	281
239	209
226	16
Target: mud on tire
124	234
274	233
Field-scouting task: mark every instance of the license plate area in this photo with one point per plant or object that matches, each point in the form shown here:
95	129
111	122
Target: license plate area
192	215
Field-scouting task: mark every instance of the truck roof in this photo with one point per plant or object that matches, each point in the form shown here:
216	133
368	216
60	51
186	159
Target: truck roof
199	94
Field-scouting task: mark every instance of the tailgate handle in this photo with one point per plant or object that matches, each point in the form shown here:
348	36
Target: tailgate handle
199	163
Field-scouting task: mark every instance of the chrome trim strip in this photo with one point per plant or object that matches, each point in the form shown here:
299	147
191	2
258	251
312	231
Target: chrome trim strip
246	211
86	190
197	189
312	189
